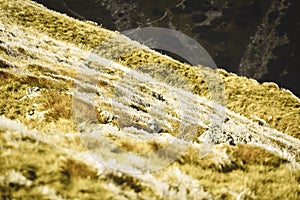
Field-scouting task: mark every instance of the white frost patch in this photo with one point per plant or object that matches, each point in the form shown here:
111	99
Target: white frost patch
182	186
50	193
16	178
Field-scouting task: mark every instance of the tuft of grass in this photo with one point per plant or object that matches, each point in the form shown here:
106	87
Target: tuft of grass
45	165
58	105
76	169
251	171
252	155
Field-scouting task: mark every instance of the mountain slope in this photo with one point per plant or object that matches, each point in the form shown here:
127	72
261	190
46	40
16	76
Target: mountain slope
62	80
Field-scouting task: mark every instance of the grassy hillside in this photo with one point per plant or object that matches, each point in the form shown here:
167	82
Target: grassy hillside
46	57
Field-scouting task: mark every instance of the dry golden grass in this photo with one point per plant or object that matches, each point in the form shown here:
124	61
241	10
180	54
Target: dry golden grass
245	170
58	105
45	165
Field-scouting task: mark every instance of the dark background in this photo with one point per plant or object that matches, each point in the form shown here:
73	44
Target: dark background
254	38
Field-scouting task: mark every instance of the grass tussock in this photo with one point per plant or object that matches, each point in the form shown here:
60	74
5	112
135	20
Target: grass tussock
30	14
252	155
252	182
44	165
58	105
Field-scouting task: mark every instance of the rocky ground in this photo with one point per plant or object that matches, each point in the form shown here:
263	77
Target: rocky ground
68	86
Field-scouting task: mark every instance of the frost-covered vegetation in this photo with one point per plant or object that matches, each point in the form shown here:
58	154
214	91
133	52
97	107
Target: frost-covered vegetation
62	96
